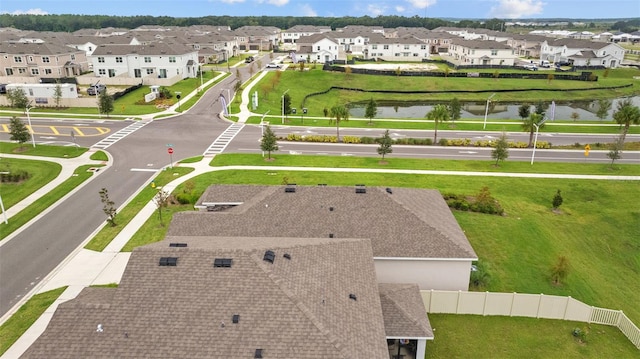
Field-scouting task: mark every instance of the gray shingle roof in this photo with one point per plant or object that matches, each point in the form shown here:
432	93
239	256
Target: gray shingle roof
155	48
36	49
480	44
403	311
410	223
291	308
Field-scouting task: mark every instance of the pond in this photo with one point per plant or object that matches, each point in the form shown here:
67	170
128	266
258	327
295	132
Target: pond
586	110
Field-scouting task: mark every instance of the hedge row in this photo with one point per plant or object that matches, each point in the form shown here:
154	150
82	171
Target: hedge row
15	176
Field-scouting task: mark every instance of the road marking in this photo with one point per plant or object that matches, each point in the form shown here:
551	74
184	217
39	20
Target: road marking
220	143
5	128
144	170
79	131
469	152
54	130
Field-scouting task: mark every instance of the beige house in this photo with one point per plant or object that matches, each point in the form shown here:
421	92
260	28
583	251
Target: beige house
41	60
478	52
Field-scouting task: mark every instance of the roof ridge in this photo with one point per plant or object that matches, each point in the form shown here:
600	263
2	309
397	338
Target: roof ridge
400	307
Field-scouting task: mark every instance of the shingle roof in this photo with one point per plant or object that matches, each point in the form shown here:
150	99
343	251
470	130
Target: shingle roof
36	49
291	308
155	48
403	311
410	223
480	44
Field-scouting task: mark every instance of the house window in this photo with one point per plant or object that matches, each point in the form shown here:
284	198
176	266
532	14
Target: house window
119	59
22	70
137	73
172	59
30	92
386	47
9	71
406	47
45	59
318	48
73	57
35	72
100	59
102	72
90	48
17	59
147	59
396	54
423	47
494	52
47	71
149	71
30	58
374	47
415	54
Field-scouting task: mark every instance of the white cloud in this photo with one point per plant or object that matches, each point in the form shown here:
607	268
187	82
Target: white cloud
400	8
232	1
278	2
421	4
307	10
28	12
375	10
515	9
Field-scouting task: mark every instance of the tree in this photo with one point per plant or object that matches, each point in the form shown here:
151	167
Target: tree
339	112
615	150
269	142
105	103
541	108
287	104
398	71
501	151
57	94
560	270
17	98
524	111
438	114
371	110
455	109
18	131
626	115
385	144
575	116
529	125
603	109
161	199
108	207
347	72
301	65
550	77
557	200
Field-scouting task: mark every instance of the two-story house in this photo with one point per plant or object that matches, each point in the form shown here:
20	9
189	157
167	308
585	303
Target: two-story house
582	52
159	59
320	48
477	52
291	35
405	48
262	38
41	60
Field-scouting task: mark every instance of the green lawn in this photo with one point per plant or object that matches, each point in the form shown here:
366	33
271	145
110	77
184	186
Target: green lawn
41	172
15	326
41	150
80	175
473	336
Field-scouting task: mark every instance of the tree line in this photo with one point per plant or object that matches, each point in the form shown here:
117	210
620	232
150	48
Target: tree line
70	23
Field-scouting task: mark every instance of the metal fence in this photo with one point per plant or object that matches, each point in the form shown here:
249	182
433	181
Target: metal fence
527	305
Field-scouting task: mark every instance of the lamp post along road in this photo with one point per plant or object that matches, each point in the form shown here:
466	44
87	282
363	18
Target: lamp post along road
97	100
284	93
4	212
535	141
486	111
28	108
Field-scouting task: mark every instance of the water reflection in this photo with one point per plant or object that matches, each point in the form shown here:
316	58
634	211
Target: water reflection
586	110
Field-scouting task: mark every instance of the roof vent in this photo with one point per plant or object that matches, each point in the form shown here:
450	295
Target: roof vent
360	188
269	256
353	297
99	329
330	235
258	354
177	244
168	261
389	191
222	262
287	256
330	209
291	188
236	318
322	185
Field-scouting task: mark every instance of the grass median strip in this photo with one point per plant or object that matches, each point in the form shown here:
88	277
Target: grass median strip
15	326
42	172
81	174
41	150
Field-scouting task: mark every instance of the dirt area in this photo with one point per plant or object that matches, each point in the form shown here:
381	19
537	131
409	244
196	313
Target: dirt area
392	67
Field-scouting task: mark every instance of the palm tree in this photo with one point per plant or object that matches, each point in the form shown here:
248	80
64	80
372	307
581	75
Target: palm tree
530	124
626	115
438	114
339	112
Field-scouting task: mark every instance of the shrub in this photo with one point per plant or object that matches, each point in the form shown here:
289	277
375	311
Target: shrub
15	176
443	142
350	139
480	277
368	140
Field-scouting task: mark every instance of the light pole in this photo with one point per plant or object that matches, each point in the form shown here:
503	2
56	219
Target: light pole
535	141
97	101
4	213
27	109
201	83
486	111
284	93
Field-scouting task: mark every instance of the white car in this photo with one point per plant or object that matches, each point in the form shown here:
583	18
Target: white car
272	65
531	67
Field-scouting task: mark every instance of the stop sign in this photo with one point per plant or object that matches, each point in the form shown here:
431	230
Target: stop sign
170	150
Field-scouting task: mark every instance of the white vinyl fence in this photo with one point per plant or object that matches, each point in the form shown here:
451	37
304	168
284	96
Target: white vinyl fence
527	305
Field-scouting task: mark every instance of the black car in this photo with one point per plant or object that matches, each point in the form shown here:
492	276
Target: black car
96	89
249	59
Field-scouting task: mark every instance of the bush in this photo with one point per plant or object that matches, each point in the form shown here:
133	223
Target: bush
482	203
443	142
368	140
351	139
15	176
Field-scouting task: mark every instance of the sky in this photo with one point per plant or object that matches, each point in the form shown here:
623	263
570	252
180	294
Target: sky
469	9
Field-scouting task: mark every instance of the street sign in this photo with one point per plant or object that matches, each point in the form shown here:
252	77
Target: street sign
170	150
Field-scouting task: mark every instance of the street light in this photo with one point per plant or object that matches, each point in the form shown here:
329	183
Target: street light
27	109
486	111
535	141
97	101
4	212
284	93
201	83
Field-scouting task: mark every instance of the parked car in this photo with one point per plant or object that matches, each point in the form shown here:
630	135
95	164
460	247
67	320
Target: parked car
563	63
249	59
531	67
272	65
96	89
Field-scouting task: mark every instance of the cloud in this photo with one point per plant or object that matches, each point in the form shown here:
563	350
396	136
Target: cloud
375	10
232	1
400	8
515	9
278	2
307	10
421	4
37	11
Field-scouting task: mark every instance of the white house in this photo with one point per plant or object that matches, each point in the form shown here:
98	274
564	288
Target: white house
476	52
406	48
291	35
319	47
582	52
159	59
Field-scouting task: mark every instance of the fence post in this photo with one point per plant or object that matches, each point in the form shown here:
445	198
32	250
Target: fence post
458	303
539	304
620	314
484	305
513	299
590	315
430	300
566	307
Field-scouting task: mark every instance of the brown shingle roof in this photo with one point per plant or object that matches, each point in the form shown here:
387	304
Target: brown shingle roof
404	312
411	223
291	308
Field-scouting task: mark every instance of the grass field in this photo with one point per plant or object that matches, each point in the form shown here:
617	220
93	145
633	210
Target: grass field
473	336
41	172
42	150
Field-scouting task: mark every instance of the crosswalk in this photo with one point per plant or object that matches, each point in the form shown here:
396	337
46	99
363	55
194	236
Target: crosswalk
223	140
110	140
